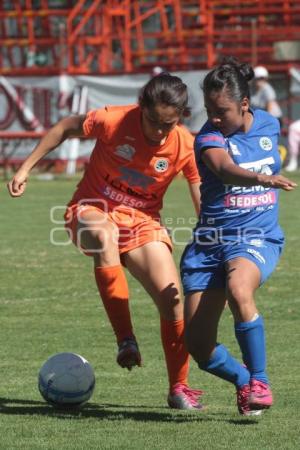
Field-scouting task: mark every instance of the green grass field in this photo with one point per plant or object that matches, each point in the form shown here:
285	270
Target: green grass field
49	304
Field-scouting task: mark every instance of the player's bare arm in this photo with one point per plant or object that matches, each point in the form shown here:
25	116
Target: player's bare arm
66	128
219	162
195	194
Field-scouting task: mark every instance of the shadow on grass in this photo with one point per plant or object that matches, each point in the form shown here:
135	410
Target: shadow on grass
10	406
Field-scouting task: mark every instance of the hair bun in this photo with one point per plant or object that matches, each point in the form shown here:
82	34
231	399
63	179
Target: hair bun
244	68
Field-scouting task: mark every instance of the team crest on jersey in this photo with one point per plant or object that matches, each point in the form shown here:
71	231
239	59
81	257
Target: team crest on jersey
125	151
265	143
161	165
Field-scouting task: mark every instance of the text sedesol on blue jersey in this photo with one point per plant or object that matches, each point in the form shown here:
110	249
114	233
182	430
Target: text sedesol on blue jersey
232	208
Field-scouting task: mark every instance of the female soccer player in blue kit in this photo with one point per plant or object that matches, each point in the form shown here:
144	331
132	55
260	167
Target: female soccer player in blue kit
237	241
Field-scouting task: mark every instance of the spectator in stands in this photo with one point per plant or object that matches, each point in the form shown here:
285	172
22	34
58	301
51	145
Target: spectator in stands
293	146
114	213
264	95
157	70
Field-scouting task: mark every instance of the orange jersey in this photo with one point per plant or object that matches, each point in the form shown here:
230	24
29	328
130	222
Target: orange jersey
124	169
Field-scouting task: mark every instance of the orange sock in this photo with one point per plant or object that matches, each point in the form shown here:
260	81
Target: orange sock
177	357
113	289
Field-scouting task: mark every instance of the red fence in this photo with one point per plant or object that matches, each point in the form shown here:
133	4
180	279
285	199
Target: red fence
113	36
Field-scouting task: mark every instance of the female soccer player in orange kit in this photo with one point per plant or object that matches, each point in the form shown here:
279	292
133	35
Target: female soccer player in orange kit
114	213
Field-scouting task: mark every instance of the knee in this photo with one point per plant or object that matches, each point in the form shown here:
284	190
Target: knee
238	294
169	304
97	239
105	238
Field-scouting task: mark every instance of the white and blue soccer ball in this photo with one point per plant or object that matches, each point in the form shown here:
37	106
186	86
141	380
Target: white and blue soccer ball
66	379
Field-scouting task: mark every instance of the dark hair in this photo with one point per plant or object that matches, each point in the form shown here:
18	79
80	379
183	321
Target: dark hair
165	89
231	76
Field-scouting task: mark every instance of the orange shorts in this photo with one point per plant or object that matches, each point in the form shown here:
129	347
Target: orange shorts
135	228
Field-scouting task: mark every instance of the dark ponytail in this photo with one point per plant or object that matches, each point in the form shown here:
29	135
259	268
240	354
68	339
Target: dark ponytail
231	76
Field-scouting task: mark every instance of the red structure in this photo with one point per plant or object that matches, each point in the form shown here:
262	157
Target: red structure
112	36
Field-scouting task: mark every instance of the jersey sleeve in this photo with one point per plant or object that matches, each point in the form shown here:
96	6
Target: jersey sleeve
209	139
188	164
94	124
190	170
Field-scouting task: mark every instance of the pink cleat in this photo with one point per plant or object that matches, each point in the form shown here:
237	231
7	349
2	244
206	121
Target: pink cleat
183	397
242	399
129	354
260	395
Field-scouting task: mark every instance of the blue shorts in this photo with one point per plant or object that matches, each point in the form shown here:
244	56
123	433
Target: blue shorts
203	267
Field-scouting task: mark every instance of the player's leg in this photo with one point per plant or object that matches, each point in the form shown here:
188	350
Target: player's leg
202	314
153	266
243	278
97	236
203	277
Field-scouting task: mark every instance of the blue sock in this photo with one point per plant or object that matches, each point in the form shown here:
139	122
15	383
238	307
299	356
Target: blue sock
251	339
224	366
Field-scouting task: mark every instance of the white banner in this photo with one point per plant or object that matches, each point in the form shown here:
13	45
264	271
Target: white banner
295	81
37	103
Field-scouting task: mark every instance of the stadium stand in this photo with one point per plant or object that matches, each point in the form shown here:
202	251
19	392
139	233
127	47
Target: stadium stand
105	37
113	36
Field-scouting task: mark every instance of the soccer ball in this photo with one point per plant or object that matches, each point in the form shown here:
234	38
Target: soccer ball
66	379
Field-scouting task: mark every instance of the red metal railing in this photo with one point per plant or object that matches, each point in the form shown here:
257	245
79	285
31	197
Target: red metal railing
113	36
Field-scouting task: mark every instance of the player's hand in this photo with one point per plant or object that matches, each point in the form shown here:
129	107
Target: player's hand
278	182
17	185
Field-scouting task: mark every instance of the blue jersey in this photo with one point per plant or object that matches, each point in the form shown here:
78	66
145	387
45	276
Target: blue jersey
235	211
